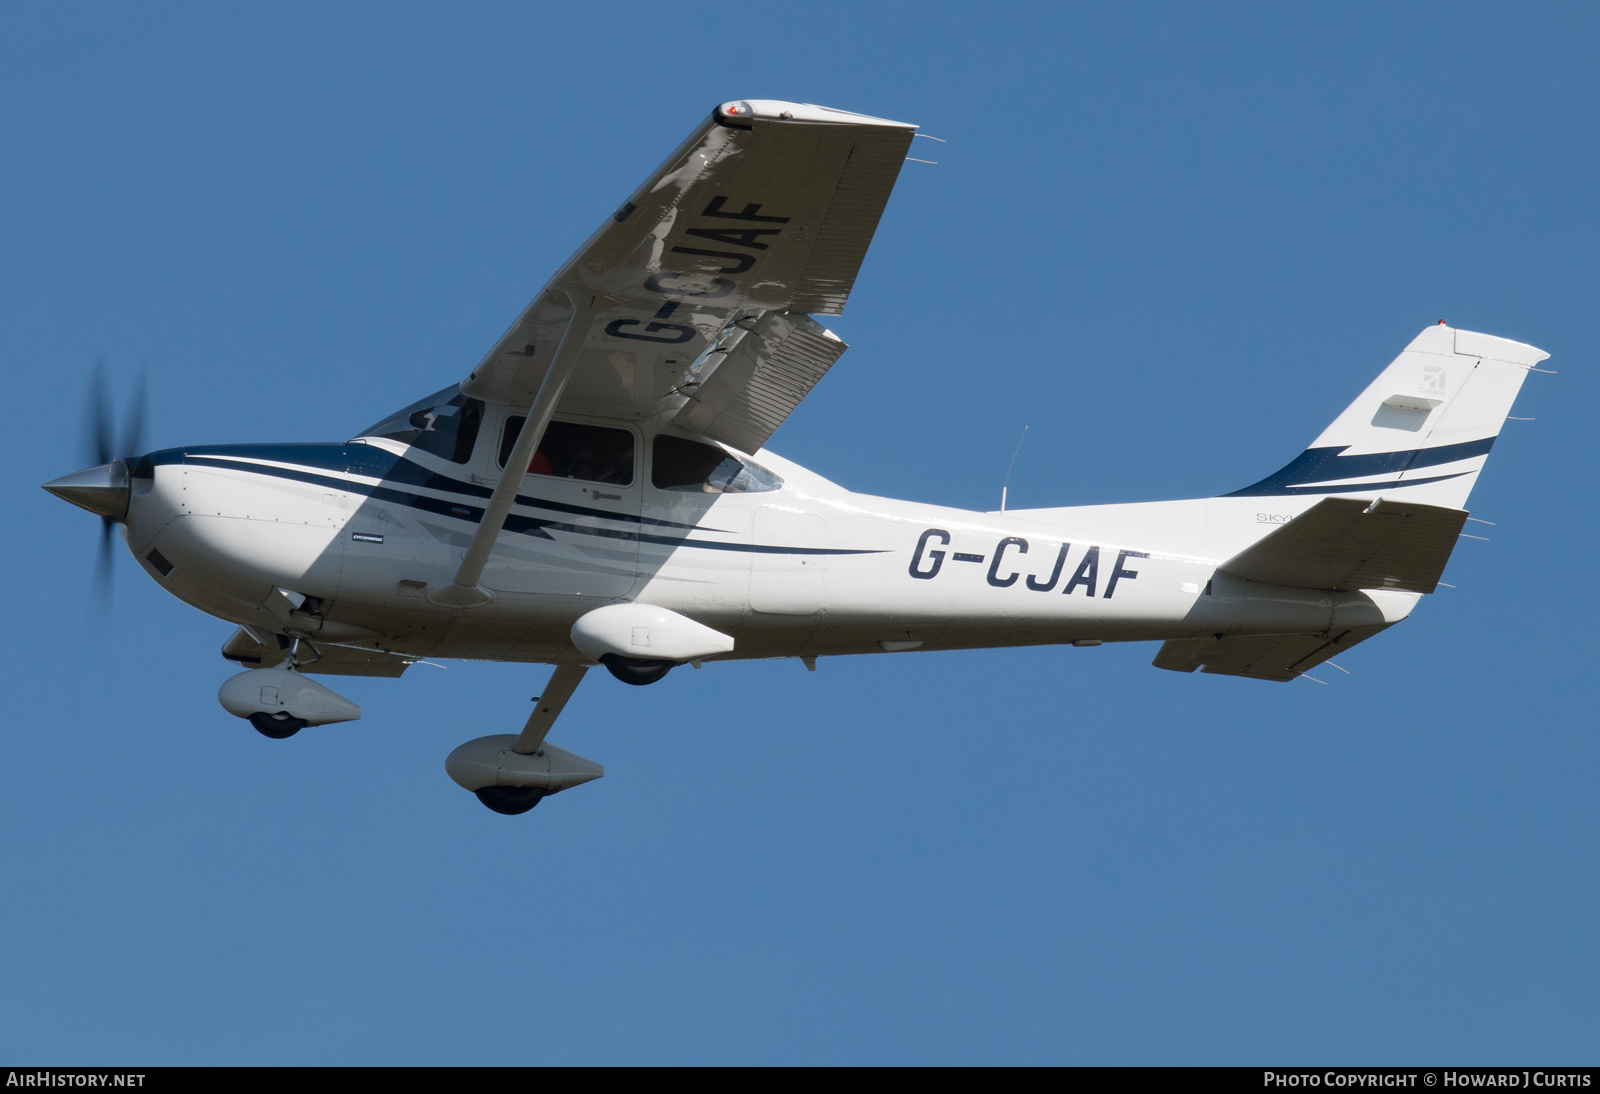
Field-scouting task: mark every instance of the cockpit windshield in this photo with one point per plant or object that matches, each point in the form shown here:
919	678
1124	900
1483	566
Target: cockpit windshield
445	423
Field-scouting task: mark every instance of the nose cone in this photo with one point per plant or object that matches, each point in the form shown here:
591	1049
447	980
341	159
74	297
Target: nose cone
102	490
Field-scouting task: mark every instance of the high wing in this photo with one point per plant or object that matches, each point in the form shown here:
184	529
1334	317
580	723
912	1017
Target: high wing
695	292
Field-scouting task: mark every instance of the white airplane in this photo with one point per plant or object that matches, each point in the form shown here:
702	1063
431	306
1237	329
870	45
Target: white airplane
597	490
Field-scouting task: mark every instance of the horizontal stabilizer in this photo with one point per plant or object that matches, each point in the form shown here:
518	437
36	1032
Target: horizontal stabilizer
1350	543
244	650
1261	657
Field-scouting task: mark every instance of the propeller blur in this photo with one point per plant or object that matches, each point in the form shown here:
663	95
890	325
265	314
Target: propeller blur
103	489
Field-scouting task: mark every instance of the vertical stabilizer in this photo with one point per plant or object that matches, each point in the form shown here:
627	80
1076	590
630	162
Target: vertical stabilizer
1421	431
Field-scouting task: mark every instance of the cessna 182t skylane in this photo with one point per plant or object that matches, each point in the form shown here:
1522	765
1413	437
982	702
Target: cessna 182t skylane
597	491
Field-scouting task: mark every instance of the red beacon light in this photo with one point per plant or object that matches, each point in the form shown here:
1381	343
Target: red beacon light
737	110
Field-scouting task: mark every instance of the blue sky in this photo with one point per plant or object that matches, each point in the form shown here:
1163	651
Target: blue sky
1173	240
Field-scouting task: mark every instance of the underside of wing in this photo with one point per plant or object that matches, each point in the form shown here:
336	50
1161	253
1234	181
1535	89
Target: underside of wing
1262	657
697	288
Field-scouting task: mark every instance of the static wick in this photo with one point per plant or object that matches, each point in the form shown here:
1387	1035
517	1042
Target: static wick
1313	679
914	159
1341	668
930	137
1005	485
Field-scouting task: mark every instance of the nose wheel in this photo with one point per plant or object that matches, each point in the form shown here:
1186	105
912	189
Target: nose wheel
279	726
280	702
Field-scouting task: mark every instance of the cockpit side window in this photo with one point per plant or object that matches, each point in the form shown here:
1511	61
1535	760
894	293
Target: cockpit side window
571	450
677	463
446	424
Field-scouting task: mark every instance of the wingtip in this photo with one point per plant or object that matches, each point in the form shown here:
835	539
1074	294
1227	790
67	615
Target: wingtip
779	110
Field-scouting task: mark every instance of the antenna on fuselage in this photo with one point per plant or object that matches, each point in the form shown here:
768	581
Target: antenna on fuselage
1005	485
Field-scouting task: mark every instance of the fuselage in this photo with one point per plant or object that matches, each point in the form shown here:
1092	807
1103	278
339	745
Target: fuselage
784	561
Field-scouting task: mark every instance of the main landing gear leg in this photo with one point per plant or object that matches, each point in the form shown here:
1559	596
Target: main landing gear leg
548	707
513	774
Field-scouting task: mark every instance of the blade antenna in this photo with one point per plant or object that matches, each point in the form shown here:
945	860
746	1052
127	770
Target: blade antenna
1013	463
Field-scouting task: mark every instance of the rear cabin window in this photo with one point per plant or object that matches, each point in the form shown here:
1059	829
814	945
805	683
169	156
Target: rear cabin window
446	424
569	450
680	464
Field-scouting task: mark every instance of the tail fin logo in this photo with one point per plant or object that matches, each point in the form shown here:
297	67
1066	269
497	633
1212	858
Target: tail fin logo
1433	380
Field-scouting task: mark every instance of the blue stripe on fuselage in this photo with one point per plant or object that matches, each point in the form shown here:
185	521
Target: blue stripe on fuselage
374	462
378	463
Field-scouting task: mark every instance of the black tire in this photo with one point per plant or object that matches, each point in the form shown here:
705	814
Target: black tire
277	726
510	800
636	671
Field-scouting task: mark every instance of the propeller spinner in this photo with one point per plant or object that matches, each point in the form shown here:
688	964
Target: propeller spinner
105	489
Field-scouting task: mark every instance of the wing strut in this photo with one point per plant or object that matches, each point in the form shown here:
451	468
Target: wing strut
463	590
562	683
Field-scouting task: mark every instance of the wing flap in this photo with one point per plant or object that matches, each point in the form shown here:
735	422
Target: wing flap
1350	543
1279	657
761	380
